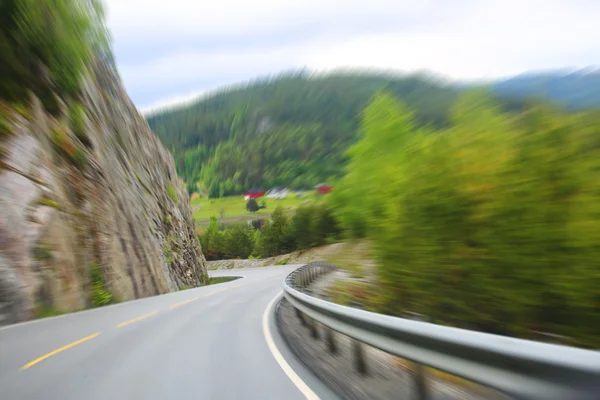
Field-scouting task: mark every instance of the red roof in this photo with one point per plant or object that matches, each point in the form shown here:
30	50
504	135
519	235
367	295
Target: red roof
323	189
254	194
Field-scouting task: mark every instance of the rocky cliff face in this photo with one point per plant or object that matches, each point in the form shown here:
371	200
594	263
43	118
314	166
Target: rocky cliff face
90	217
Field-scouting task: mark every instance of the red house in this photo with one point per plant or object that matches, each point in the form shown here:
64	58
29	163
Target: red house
253	194
324	189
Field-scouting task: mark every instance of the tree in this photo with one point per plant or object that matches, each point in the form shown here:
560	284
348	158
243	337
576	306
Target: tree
302	226
213	241
274	235
252	205
239	242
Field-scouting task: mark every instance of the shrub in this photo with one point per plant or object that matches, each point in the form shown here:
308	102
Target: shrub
172	193
42	252
78	125
44	201
238	242
6	128
45	311
252	205
64	146
100	294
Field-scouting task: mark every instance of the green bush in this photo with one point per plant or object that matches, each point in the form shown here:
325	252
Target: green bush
6	128
78	125
48	202
64	145
238	243
100	294
42	252
252	205
172	193
44	311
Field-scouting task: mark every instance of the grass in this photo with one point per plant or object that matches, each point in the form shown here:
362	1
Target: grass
222	279
352	256
65	146
42	252
44	311
235	206
172	193
100	294
6	128
283	261
44	201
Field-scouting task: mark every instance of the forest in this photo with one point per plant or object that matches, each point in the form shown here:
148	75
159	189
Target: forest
290	130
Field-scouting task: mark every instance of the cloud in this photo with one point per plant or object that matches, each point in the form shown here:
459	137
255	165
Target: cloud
182	46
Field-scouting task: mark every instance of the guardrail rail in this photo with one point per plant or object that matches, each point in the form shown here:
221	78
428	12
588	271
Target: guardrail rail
522	369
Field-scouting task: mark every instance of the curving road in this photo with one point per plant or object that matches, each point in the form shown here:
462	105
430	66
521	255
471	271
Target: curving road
214	342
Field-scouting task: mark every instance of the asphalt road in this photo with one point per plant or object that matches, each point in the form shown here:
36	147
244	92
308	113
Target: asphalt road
214	342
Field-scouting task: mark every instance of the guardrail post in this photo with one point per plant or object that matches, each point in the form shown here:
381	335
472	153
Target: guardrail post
359	357
421	382
331	343
313	329
300	317
419	370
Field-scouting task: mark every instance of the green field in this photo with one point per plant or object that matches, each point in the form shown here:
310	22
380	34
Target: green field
234	207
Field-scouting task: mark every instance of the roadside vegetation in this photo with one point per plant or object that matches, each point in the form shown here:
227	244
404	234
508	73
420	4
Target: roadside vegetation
311	226
490	224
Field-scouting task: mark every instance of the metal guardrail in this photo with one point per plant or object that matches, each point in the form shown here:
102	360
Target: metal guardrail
522	369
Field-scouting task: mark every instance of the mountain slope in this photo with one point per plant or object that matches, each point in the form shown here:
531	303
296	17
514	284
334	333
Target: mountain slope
291	130
575	90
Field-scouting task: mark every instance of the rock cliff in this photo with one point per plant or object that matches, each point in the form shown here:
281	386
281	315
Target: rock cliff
91	211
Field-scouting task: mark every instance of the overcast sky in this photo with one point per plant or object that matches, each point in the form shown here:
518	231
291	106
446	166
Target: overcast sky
169	50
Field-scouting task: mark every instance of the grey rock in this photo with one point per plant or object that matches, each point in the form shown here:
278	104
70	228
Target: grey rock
125	210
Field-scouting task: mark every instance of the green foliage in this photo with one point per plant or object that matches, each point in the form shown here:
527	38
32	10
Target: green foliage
78	124
221	279
67	148
311	226
288	131
100	294
42	252
6	128
43	310
57	36
490	224
213	241
172	193
252	205
274	233
283	261
48	202
238	242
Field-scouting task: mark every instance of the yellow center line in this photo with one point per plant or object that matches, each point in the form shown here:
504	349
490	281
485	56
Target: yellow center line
75	343
215	292
240	285
131	321
183	302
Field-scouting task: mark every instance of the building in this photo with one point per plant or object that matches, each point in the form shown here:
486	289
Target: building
253	194
323	188
277	193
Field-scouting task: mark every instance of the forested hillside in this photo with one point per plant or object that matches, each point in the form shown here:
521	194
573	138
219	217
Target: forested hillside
291	130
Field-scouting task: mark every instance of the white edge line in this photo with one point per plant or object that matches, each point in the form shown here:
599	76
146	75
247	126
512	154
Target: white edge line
303	387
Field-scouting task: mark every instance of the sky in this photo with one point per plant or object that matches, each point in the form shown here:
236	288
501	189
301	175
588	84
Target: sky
170	51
